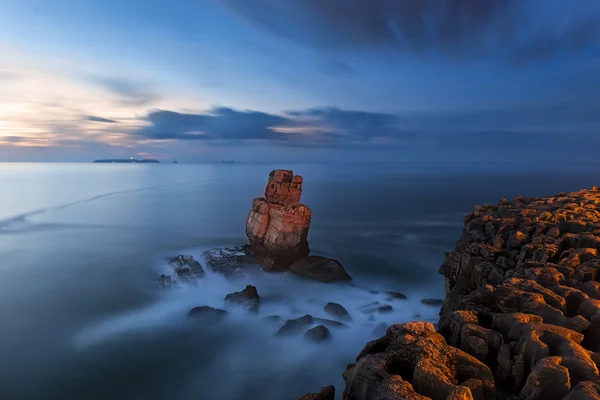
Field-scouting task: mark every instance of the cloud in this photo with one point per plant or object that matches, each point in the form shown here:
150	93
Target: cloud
93	118
327	126
130	92
520	30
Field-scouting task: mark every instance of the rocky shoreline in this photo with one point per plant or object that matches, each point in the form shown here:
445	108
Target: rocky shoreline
521	316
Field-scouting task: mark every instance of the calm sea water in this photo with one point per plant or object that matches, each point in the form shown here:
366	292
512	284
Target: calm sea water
81	244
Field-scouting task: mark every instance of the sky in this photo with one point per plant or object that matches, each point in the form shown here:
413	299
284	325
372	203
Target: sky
499	81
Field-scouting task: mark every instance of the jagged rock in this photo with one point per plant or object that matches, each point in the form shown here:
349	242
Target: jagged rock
422	359
326	393
338	311
186	268
320	268
247	298
277	226
232	262
522	296
318	334
585	391
207	314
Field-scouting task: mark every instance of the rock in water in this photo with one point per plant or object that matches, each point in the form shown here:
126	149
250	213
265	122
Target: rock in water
432	302
186	268
338	311
326	393
207	314
247	298
320	268
277	226
317	334
291	327
232	262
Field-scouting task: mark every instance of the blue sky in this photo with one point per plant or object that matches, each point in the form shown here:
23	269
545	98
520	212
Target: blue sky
300	80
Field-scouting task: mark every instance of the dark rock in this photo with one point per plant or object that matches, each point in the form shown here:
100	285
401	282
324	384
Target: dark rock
326	393
397	295
330	324
207	314
432	302
338	311
247	298
320	268
232	262
306	319
385	309
291	327
186	268
317	334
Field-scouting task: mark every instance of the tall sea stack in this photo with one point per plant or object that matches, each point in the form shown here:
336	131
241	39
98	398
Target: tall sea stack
277	226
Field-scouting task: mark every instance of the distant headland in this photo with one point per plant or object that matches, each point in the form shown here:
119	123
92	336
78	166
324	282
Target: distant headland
126	161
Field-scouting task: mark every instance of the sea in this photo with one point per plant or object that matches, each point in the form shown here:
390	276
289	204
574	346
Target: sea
81	246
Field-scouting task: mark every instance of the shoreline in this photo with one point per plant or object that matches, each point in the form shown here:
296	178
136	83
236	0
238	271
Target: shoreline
521	315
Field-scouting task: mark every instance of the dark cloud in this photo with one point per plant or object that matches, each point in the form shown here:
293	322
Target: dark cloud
93	118
314	127
130	92
520	30
219	123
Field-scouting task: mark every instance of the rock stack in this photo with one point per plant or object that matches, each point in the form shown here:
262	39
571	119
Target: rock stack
277	226
521	317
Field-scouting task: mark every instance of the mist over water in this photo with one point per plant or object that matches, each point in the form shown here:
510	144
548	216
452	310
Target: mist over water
80	246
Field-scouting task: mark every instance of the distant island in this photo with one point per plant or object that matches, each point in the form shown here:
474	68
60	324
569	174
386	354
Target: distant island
126	161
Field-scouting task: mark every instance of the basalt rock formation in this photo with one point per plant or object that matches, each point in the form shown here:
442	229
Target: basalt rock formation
521	316
277	226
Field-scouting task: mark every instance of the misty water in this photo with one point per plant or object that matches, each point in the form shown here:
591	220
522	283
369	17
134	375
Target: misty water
81	245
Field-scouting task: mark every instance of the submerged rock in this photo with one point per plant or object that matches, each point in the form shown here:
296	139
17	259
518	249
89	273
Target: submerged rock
432	302
207	314
317	334
164	282
277	226
320	268
385	309
330	323
397	295
338	311
247	298
326	393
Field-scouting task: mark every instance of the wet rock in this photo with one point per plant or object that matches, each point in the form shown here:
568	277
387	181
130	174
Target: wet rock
432	302
338	311
277	226
247	298
385	309
318	334
397	295
291	327
320	268
207	314
164	282
186	268
232	262
330	323
326	393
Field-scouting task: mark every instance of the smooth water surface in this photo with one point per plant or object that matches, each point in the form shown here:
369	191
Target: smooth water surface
81	244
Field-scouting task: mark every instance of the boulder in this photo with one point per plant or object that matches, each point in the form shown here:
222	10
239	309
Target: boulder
320	268
247	298
186	268
291	327
232	262
207	314
338	311
317	334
